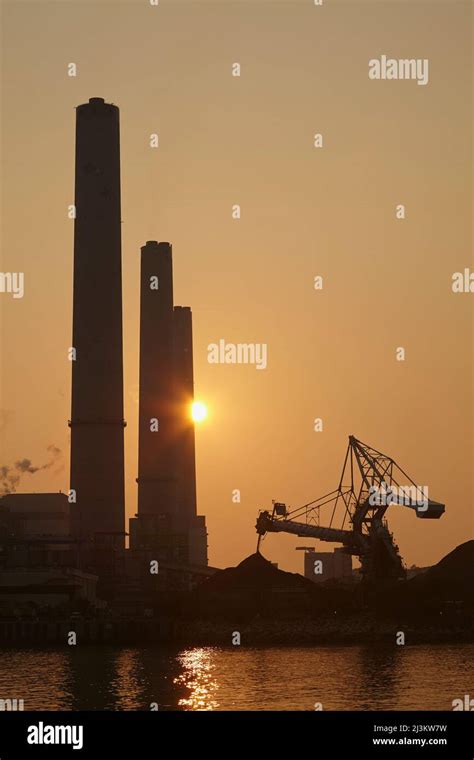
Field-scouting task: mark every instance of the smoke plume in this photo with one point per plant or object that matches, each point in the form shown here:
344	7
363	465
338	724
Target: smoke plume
10	476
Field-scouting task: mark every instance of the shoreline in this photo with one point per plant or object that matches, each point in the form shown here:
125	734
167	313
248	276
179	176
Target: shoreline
206	633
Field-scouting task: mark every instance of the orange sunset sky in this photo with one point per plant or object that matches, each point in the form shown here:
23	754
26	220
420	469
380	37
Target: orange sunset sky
305	212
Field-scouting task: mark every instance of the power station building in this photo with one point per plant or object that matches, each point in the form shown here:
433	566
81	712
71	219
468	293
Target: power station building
57	547
38	560
324	566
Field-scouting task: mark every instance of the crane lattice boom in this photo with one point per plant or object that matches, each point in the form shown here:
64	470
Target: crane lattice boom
370	482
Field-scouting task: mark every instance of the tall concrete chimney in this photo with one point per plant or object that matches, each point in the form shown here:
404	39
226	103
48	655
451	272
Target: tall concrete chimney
97	424
185	445
185	457
166	521
156	435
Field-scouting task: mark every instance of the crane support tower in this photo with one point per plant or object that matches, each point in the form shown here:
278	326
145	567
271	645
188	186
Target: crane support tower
370	482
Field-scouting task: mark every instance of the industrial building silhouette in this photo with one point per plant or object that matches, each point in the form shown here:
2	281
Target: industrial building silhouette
166	533
166	520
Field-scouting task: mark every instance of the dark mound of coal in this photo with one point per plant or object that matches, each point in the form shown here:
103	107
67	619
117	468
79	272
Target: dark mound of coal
256	588
452	578
445	591
256	573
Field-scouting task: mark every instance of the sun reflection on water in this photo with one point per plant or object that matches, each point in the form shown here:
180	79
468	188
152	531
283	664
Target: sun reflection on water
197	677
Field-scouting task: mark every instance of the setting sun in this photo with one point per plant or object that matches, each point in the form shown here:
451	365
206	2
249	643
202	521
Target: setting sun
198	411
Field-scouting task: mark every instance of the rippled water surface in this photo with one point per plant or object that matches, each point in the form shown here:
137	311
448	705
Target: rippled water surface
340	678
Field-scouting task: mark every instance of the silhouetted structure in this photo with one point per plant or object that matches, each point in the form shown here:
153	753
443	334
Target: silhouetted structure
324	566
184	379
34	515
97	436
370	482
156	430
185	448
166	521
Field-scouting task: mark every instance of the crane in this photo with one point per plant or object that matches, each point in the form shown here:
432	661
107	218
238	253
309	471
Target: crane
370	482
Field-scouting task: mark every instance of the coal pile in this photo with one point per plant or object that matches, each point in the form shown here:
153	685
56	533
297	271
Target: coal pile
452	579
256	572
444	591
256	588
